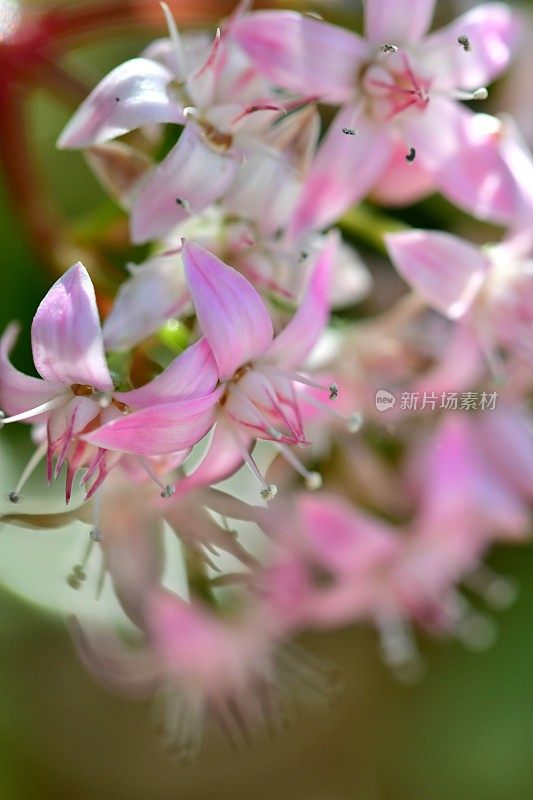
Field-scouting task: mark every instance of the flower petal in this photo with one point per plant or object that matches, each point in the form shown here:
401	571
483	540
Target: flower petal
192	374
397	21
66	336
191	177
155	292
301	54
447	271
490	174
231	314
291	347
222	459
402	183
19	392
492	30
160	429
132	95
344	169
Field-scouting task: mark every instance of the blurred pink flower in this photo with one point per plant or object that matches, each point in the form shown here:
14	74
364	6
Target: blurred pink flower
400	84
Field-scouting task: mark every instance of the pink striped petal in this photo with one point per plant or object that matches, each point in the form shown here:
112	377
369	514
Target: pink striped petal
192	374
19	392
492	30
190	178
344	169
231	314
397	21
447	271
291	347
303	55
66	336
158	430
132	95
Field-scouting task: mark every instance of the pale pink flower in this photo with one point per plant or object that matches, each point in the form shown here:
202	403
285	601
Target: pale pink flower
398	86
75	392
490	289
180	80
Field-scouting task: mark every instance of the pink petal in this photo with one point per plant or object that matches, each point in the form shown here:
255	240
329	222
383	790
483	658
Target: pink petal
343	538
222	459
66	335
231	314
192	374
191	177
303	55
447	271
490	173
291	347
506	436
19	392
158	430
344	169
401	182
132	95
492	30
397	21
155	292
264	191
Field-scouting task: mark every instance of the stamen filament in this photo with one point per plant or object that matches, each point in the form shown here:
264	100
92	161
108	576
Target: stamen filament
33	412
33	461
313	480
167	490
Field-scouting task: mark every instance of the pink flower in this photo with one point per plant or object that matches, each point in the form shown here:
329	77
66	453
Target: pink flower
210	90
490	288
397	85
257	396
75	392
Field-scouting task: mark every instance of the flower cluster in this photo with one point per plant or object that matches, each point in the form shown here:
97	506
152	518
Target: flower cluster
239	328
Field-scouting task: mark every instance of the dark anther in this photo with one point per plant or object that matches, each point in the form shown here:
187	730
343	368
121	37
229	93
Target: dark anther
411	155
349	131
389	48
464	41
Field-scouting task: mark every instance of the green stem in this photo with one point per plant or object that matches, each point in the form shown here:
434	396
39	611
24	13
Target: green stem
368	227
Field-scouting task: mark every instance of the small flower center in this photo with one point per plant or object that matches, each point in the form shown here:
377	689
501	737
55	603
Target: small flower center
393	85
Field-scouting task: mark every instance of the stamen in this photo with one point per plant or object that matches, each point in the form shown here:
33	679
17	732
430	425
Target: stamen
411	155
175	38
498	591
34	412
268	491
464	41
353	421
78	574
388	48
398	648
95	534
349	131
167	490
478	94
313	480
33	461
180	201
333	391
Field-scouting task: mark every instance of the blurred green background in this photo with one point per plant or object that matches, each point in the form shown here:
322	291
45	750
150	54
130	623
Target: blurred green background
464	733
